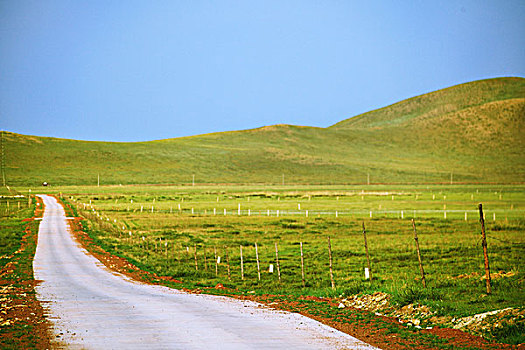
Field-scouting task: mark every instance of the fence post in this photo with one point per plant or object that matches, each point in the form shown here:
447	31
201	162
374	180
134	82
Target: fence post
195	254
167	260
205	258
242	264
419	255
367	255
227	262
258	265
277	261
216	261
302	265
485	249
330	258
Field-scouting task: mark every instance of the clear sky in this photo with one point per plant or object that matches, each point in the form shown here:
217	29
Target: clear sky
146	70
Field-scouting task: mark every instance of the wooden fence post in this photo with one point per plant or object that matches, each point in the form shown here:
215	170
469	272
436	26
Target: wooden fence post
419	255
330	258
366	250
227	262
242	264
277	261
302	265
205	258
258	265
196	264
166	246
216	261
485	249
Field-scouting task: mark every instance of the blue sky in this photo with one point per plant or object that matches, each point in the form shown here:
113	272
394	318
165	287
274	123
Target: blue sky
146	70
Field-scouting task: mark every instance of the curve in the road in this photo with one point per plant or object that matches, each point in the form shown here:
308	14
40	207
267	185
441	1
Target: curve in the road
91	307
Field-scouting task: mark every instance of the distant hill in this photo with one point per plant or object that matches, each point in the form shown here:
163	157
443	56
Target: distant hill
475	131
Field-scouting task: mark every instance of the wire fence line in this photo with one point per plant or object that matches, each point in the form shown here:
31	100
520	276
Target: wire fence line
496	214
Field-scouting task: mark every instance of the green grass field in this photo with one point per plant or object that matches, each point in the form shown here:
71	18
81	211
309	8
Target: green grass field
470	133
164	240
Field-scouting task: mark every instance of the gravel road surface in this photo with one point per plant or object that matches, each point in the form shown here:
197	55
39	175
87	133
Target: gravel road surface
92	307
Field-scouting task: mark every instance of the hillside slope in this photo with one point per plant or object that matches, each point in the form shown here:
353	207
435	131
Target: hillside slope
475	130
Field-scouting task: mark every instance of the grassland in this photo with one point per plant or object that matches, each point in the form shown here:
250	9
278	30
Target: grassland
163	240
471	133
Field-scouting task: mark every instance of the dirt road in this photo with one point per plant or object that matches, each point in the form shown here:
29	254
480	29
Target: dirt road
92	307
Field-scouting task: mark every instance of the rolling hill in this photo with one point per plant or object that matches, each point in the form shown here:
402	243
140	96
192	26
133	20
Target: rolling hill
475	131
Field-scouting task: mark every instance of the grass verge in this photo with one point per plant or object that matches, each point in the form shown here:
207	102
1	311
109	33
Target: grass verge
22	321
